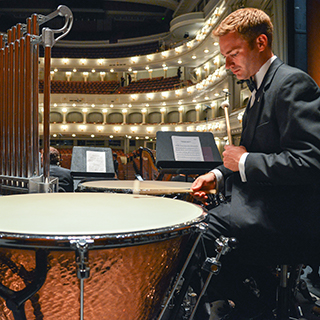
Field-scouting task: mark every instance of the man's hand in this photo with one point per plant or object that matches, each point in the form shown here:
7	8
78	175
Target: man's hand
231	157
202	184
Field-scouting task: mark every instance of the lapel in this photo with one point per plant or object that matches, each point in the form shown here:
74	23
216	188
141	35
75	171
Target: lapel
253	114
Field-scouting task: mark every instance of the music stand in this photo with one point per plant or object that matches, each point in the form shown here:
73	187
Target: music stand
186	152
91	163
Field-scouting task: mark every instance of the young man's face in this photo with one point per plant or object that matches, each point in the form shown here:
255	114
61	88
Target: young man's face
241	59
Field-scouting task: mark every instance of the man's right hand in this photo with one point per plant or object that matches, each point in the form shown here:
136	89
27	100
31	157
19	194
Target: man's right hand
202	185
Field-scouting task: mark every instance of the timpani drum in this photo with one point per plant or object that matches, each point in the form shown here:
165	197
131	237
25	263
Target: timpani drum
169	189
91	255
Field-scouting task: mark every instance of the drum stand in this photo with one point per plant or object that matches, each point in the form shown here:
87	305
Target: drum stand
211	265
15	300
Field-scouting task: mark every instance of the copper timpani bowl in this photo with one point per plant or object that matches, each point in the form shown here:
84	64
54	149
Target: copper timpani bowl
135	244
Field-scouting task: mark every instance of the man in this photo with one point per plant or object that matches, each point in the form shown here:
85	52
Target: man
274	208
63	174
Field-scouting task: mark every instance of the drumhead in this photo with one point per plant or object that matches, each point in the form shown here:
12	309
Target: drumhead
88	214
133	184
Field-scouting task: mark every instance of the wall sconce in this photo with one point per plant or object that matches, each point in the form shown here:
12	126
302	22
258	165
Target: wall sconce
100	62
198	107
149	129
164	95
190	129
143	111
177	92
217	73
124	111
180	109
102	75
164	129
164	54
177	49
83	61
65	61
199	86
82	127
134	59
64	110
133	129
134	97
163	110
217	126
84	110
149	57
100	128
116	129
64	128
149	96
240	116
85	76
216	60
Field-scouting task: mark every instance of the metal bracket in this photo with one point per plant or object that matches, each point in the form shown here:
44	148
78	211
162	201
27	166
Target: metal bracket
47	36
82	260
82	257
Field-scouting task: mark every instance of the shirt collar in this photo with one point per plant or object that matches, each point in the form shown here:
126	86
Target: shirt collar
258	77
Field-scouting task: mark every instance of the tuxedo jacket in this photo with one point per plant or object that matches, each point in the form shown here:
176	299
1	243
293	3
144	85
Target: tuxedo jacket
65	178
279	205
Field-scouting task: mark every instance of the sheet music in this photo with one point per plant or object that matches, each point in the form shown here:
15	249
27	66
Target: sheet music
96	161
187	148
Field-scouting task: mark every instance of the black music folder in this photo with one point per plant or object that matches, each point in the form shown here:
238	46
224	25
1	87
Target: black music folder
186	152
92	162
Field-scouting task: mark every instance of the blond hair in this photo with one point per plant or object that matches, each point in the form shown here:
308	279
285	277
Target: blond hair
249	23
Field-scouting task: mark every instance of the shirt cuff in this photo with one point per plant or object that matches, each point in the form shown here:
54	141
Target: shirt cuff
242	167
219	179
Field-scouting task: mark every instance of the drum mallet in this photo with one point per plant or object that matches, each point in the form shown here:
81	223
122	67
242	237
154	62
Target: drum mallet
225	105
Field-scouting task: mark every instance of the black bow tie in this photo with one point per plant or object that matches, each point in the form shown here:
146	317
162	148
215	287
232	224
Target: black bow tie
251	84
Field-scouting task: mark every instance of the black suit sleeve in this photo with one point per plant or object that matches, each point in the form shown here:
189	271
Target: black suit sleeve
296	110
